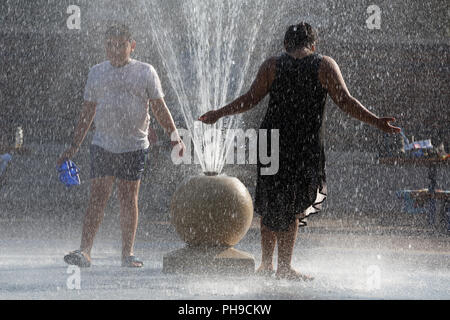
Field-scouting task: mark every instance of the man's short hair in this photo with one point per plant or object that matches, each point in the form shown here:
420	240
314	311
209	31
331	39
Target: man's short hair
299	36
117	31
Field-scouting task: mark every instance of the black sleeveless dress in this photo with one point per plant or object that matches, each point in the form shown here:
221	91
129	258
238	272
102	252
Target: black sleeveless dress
296	110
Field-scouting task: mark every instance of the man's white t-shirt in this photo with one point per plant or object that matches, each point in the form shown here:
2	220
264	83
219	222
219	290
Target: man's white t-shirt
122	95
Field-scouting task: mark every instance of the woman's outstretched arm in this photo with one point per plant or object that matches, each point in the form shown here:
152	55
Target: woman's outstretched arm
331	79
259	89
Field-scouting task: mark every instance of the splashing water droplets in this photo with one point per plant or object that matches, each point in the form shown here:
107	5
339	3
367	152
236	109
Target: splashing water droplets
207	69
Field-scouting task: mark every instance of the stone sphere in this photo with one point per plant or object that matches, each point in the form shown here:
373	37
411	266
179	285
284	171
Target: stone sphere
211	210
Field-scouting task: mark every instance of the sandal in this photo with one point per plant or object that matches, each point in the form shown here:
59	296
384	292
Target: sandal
77	258
132	262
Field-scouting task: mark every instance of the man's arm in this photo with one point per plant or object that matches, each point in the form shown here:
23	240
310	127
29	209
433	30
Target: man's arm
259	89
84	122
331	79
163	116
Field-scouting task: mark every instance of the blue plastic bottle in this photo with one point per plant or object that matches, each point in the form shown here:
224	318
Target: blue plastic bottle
4	159
68	173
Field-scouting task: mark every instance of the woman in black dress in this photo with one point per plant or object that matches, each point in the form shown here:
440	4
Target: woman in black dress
298	82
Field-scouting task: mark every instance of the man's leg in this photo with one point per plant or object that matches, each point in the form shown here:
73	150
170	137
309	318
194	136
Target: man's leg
268	241
100	192
128	195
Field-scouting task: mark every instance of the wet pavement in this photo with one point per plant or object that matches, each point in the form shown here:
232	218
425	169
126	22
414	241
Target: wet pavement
348	261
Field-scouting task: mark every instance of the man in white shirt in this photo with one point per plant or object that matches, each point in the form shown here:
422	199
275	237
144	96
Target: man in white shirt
117	97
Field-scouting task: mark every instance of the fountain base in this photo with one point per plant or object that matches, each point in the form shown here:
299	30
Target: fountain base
211	214
209	260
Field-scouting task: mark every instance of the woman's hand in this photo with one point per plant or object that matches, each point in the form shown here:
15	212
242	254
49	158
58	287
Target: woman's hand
209	117
384	125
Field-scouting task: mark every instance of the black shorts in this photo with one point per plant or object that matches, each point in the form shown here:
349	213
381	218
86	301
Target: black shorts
126	166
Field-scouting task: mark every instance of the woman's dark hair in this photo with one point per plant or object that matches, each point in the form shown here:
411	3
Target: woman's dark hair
299	36
118	30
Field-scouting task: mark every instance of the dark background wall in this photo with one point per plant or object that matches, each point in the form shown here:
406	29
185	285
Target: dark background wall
399	70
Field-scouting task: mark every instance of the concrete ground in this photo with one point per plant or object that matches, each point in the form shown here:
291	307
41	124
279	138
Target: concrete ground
359	262
361	247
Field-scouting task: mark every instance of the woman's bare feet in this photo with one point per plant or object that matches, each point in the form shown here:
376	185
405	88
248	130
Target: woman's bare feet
265	271
292	275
